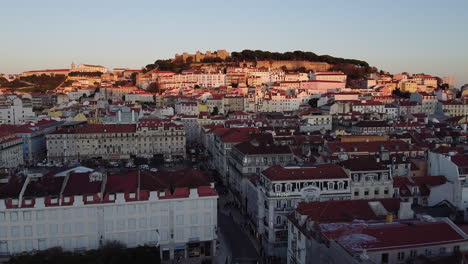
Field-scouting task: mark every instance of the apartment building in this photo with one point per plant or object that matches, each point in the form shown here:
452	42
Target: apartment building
33	138
452	108
15	110
11	150
280	188
404	241
304	221
116	141
428	102
82	210
370	178
252	157
328	76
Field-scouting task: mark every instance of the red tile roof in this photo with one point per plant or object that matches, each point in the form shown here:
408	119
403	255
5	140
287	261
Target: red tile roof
79	184
346	210
460	160
373	146
376	237
233	135
123	182
322	171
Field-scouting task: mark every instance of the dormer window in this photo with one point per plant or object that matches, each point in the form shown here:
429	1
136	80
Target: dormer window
356	177
89	198
331	186
14	202
340	186
288	187
385	176
54	200
162	194
112	197
277	187
132	195
66	199
27	201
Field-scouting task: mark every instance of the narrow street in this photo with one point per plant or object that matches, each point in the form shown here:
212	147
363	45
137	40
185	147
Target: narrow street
235	244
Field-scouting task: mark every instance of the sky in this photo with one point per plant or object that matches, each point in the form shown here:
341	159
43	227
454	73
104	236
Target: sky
394	35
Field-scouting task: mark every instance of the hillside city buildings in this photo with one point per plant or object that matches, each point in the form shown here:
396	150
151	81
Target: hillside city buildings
312	165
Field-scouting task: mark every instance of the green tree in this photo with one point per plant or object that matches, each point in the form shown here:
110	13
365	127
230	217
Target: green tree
133	77
153	87
399	93
313	102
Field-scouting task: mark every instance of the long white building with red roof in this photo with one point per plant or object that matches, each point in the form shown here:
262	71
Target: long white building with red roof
116	141
82	210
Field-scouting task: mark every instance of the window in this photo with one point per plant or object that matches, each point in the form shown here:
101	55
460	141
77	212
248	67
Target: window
27	231
53	229
278	220
456	248
194	219
142	223
366	192
331	185
193	232
413	253
277	187
340	186
91	212
356	192
180	219
109	226
428	252
376	191
442	250
356	177
179	205
67	228
27	216
288	187
401	256
384	259
13	216
79	228
194	204
131	223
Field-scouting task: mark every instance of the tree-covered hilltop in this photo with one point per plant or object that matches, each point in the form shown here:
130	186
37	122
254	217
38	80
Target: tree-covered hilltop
256	55
355	69
259	55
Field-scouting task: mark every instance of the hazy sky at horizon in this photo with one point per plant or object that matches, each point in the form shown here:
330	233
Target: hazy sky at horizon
415	36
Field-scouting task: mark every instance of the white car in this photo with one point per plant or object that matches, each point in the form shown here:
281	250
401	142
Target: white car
154	169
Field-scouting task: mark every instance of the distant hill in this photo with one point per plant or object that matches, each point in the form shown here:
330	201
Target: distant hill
355	69
42	83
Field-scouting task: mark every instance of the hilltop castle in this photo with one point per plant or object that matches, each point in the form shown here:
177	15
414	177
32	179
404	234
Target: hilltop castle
198	56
